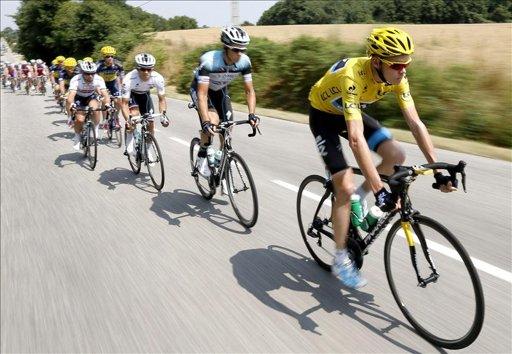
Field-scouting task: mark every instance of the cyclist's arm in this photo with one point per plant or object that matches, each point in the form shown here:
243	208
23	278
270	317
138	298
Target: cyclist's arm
202	101
70	100
250	96
420	133
160	90
362	153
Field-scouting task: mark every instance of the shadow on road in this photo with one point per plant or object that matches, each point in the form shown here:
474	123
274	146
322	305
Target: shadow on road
119	176
260	271
73	158
53	112
173	206
59	122
62	135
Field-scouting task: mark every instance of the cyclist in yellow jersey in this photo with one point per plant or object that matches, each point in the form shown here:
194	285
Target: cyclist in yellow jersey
335	110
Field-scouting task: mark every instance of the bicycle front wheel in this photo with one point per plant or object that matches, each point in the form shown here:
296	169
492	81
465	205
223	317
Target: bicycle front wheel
135	161
242	190
314	216
203	184
154	161
448	312
91	146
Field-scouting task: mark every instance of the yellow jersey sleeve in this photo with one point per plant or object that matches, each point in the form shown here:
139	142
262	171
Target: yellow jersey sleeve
351	91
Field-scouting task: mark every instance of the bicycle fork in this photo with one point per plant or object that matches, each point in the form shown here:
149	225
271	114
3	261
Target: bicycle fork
407	227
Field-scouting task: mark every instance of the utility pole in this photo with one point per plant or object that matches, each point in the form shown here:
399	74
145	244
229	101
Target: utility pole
235	17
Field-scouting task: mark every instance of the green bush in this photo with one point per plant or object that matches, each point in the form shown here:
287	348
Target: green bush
457	101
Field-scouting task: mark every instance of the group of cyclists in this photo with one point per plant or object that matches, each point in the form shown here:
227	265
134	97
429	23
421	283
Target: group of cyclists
336	101
27	75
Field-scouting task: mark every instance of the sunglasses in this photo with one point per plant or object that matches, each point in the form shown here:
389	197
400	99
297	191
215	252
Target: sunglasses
145	69
395	66
108	56
237	50
88	74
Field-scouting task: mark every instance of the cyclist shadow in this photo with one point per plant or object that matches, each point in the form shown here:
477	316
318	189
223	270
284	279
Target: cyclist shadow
261	271
53	112
73	158
119	176
61	135
181	203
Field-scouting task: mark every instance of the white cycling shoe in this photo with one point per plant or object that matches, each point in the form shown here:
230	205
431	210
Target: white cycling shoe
76	142
202	167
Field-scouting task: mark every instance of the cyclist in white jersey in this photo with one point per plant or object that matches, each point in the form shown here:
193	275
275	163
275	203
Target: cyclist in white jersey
84	90
209	89
136	95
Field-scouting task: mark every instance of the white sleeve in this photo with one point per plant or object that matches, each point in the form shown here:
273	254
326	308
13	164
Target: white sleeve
73	84
160	85
125	88
100	83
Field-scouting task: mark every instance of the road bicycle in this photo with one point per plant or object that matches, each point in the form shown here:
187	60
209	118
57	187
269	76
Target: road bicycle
146	149
427	301
111	125
232	172
88	141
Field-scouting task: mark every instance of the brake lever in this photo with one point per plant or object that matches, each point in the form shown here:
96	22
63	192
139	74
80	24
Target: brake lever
254	129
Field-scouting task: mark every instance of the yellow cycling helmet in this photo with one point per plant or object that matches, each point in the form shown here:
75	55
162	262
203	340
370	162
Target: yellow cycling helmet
108	50
389	42
89	59
60	59
70	62
54	62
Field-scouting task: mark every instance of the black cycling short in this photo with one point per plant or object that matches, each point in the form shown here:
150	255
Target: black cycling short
217	100
83	101
327	129
143	101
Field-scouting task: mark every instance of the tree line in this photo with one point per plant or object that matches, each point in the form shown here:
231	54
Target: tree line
291	12
47	28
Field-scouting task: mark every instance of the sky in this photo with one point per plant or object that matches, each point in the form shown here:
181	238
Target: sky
209	13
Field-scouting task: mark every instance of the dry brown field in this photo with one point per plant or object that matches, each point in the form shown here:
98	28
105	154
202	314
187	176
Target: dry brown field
486	45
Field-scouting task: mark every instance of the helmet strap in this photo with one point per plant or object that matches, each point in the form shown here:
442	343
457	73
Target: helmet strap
381	75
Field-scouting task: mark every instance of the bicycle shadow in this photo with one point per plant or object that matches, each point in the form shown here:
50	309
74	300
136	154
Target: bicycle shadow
53	112
58	123
120	176
181	203
74	158
260	271
61	136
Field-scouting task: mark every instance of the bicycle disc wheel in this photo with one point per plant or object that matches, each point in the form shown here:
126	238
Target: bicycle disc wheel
154	161
203	184
242	190
315	220
92	146
135	161
448	312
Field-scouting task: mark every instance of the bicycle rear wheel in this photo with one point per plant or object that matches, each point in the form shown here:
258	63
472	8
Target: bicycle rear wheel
154	161
314	216
91	145
135	161
448	312
203	184
242	190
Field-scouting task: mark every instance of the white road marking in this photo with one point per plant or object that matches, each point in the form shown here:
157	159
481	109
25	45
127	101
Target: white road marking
181	141
479	264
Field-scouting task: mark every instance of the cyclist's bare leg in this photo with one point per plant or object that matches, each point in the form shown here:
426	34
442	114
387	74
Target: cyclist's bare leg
392	154
95	104
343	183
79	122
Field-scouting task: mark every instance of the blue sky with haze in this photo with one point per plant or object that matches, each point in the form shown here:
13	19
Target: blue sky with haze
209	13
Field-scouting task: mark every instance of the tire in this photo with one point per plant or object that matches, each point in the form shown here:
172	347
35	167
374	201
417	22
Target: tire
454	310
91	146
246	205
135	161
203	184
320	246
156	167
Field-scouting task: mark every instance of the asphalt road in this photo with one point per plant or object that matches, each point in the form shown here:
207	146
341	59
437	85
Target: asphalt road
99	261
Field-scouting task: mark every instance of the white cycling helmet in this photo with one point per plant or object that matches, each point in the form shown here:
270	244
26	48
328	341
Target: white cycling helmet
39	61
88	67
145	60
32	61
234	37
